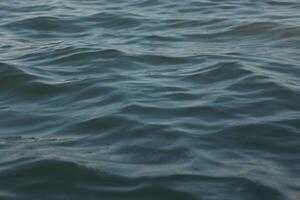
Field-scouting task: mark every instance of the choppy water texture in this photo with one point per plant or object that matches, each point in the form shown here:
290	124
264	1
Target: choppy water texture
150	99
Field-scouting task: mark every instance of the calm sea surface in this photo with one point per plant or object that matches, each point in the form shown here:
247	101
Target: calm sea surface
150	99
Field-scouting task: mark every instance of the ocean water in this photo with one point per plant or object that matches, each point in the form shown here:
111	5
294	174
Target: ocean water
150	99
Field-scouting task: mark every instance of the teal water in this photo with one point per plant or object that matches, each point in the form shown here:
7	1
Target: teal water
150	99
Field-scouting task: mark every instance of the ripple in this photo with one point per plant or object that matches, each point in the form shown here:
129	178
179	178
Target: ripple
84	56
114	21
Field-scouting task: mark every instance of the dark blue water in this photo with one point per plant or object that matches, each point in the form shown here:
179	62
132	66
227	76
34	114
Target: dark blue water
150	99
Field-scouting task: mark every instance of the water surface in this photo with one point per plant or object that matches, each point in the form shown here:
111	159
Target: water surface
150	99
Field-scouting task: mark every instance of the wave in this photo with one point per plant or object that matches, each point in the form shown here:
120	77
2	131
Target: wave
50	176
46	24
